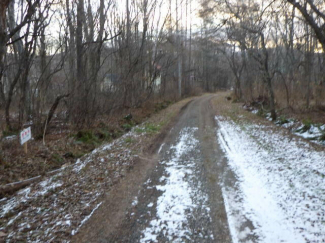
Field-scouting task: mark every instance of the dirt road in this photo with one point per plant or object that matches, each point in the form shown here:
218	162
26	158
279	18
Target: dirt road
207	171
217	174
180	199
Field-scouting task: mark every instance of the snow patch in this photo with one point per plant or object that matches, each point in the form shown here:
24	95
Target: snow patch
280	181
135	202
85	219
176	200
161	146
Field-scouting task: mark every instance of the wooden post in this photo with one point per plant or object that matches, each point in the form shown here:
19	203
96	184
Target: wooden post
25	147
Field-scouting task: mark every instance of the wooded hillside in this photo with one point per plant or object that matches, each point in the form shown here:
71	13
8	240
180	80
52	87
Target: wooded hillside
82	59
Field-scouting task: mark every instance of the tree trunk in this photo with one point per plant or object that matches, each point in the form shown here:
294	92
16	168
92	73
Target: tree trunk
267	77
3	41
80	111
179	57
71	51
53	109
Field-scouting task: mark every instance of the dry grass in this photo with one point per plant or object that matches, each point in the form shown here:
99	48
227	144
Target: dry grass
236	112
63	146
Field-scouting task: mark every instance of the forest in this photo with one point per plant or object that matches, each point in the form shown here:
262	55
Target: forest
82	59
67	66
196	102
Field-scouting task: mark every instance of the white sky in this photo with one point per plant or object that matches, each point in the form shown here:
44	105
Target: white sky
162	10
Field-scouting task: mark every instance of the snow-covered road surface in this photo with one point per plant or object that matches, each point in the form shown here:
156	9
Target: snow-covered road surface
181	196
280	186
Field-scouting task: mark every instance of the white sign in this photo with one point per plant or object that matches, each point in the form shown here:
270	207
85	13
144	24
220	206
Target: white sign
25	135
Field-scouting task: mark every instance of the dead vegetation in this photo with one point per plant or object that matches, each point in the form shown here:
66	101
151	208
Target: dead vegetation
64	144
57	206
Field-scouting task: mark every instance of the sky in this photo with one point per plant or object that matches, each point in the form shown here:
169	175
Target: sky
161	11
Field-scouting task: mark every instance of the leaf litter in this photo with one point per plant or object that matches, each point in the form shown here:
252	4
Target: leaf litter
55	208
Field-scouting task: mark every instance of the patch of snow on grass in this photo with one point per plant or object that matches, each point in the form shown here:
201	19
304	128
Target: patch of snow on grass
312	132
281	184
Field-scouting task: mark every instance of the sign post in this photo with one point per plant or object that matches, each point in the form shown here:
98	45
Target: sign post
25	135
25	148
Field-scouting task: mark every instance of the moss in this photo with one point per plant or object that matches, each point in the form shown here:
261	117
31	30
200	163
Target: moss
307	122
57	158
148	128
152	128
85	136
139	130
127	126
103	135
128	140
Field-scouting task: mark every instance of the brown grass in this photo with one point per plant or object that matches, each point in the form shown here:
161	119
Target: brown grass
62	147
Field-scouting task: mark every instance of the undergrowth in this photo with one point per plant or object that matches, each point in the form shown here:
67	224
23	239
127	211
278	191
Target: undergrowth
148	128
282	120
306	126
162	105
